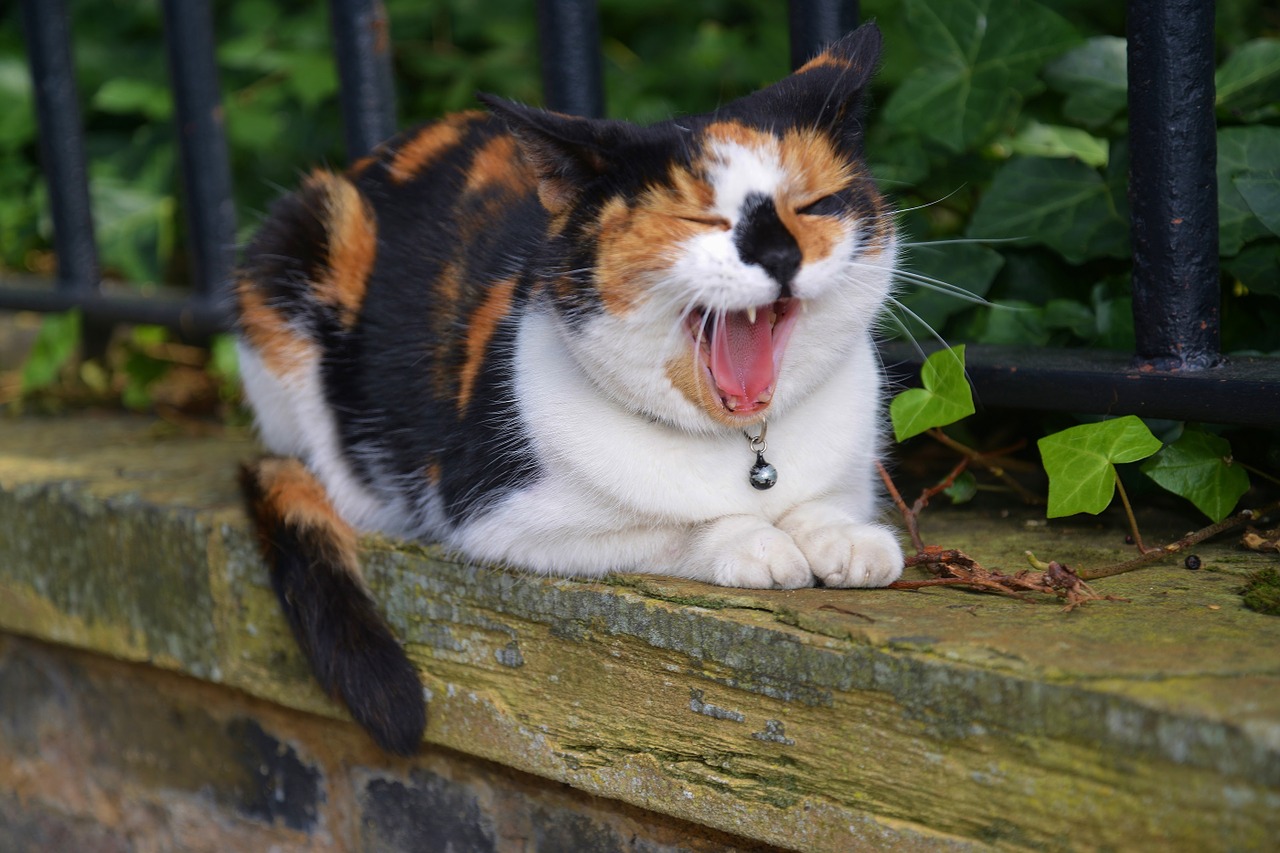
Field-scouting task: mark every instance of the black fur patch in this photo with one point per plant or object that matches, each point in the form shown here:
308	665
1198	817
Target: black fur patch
763	240
352	652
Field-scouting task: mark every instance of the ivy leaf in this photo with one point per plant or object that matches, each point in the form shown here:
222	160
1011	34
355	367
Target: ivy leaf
981	62
1198	467
1261	191
962	489
1051	140
969	266
55	344
1063	204
125	95
1095	79
944	399
1255	267
1251	153
1081	462
1250	77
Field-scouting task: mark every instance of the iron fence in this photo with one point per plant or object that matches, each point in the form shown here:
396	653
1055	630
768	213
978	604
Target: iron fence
1177	370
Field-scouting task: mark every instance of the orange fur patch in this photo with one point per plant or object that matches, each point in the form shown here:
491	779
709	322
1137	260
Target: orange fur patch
636	242
358	168
823	60
498	165
282	350
740	134
483	323
815	169
352	245
686	375
416	154
294	494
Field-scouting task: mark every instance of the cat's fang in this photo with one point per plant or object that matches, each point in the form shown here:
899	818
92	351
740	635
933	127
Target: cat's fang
751	315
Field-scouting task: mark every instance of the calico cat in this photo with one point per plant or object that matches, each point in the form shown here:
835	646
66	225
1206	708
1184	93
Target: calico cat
556	343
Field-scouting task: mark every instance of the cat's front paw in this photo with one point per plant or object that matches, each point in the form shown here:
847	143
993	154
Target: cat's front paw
745	551
842	552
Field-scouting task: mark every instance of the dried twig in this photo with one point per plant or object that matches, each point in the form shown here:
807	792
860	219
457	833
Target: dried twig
907	515
955	568
1238	520
989	461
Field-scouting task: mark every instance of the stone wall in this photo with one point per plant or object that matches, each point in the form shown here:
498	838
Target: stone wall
160	702
101	755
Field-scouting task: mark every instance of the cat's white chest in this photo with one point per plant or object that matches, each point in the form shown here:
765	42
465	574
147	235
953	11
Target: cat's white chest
622	488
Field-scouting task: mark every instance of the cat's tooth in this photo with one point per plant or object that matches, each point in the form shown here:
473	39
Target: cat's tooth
751	315
731	403
765	396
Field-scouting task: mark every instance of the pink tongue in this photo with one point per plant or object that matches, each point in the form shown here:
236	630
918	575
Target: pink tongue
742	354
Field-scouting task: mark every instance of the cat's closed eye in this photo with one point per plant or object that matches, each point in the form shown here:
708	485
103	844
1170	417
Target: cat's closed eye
828	205
708	219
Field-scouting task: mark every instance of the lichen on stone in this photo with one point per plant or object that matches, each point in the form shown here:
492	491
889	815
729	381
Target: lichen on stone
1261	592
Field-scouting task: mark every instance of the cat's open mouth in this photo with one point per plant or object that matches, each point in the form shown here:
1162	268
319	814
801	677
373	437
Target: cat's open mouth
741	351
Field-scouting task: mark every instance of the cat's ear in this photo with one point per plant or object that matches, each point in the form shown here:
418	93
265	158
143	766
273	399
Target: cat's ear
827	91
566	152
853	59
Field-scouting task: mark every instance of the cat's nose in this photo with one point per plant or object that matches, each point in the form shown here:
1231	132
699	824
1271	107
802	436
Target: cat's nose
763	240
781	263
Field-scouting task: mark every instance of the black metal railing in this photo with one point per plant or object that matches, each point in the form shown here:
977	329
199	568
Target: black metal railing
1177	370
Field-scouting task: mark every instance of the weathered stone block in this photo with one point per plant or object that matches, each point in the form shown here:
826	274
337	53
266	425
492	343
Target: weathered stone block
816	719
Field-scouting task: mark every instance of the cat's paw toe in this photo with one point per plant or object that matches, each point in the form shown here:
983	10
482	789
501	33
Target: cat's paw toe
851	554
764	558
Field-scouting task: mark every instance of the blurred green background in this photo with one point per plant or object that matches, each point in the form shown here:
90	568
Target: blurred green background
999	123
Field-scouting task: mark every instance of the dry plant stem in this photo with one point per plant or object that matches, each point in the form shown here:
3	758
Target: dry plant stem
1133	522
986	461
1263	474
933	491
907	515
1238	520
955	568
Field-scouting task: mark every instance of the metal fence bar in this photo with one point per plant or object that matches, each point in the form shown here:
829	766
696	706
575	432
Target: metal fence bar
202	143
1245	391
46	29
569	49
1173	188
362	49
816	23
194	317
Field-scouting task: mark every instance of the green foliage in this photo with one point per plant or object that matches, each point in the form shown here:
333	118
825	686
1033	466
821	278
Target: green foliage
963	489
998	120
1250	79
1080	462
1009	125
1094	77
1063	204
977	68
55	344
1198	466
944	399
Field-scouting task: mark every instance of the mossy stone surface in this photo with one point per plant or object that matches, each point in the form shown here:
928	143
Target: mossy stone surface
816	719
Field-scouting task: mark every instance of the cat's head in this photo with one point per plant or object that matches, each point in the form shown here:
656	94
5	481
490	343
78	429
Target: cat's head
708	270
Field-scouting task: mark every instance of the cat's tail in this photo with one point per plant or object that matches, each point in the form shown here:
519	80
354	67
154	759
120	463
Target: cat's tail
316	575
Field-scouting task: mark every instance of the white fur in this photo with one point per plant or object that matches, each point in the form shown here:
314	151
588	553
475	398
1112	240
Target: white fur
293	419
623	491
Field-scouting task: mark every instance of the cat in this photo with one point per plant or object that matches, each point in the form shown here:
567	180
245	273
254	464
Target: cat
557	343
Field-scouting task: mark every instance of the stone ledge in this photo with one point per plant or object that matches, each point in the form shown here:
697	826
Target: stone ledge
815	719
